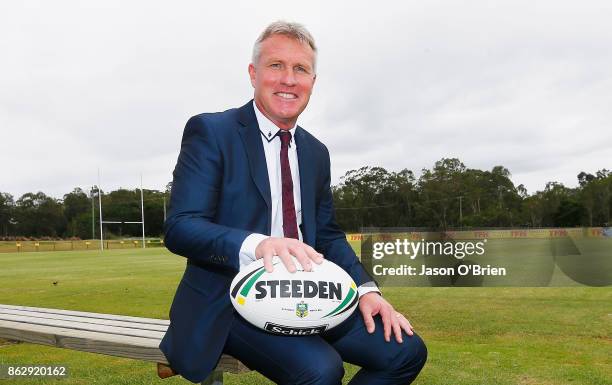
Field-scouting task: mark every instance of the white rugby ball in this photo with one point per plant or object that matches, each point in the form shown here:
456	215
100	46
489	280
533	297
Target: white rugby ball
294	304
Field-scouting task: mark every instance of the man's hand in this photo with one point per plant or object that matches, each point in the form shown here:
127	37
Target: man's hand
373	303
285	248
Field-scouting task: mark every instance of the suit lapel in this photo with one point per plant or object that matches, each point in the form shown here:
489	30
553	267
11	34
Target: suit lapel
307	178
249	132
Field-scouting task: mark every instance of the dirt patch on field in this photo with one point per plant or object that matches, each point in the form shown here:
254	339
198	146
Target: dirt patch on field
525	380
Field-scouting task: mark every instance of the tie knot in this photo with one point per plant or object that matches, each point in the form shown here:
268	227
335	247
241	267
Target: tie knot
285	137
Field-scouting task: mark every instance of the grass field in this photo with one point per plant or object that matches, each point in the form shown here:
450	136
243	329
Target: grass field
475	335
558	262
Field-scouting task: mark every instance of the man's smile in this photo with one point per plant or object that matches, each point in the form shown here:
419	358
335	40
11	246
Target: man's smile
286	95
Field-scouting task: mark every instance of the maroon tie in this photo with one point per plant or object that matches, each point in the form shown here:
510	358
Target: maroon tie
289	221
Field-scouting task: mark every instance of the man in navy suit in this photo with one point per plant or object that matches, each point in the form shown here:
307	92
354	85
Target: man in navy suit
249	184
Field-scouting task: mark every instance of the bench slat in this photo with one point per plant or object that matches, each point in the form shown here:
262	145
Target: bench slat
145	349
87	314
116	335
86	320
77	326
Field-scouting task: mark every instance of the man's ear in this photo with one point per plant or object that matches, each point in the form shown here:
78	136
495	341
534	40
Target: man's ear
252	74
314	79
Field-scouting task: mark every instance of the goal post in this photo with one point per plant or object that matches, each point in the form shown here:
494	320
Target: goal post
102	221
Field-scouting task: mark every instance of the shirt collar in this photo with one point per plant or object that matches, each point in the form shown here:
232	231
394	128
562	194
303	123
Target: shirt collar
267	128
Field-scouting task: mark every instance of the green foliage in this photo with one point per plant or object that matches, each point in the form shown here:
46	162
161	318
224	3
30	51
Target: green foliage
449	195
37	214
596	196
77	214
370	194
6	213
77	211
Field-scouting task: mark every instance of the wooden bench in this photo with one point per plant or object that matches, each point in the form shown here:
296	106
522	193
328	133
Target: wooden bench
115	335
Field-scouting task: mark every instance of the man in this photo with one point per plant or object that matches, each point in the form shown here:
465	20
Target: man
249	183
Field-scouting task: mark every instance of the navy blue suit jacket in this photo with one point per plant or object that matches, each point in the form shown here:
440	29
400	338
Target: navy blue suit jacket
220	195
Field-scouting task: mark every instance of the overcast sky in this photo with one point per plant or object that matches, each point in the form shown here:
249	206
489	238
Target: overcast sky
110	84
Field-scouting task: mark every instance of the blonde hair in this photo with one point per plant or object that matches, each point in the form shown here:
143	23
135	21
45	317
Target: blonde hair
294	30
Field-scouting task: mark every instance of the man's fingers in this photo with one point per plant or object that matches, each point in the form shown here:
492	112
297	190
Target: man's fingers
312	254
284	248
386	319
267	260
405	324
368	320
302	257
309	253
265	251
397	329
287	260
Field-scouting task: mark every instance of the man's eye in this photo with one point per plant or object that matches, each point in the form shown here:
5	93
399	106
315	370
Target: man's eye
301	69
275	65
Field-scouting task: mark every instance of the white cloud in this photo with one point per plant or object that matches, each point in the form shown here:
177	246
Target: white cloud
110	84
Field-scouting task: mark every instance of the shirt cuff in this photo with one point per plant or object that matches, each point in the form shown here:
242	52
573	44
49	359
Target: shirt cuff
367	288
247	250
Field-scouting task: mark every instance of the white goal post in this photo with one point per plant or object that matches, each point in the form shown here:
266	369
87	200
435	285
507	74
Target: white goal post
102	221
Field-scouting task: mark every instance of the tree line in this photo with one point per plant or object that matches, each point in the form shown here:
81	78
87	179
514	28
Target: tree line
452	196
447	196
77	214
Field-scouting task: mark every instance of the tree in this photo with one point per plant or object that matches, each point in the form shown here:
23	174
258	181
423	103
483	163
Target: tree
77	210
569	213
7	207
39	215
154	212
372	196
447	196
596	197
121	205
584	178
440	189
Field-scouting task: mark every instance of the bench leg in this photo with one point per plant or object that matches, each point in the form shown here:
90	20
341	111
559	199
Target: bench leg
215	378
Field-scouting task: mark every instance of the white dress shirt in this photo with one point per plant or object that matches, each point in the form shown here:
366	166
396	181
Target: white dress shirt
272	146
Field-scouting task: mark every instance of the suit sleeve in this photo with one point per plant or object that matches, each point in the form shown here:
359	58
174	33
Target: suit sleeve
196	188
331	240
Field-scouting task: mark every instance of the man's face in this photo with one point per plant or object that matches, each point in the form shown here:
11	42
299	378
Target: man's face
283	79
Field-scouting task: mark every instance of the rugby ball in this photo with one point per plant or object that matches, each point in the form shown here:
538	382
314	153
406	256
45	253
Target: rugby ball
294	304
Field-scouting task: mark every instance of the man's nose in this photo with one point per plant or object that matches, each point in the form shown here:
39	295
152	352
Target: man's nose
288	77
